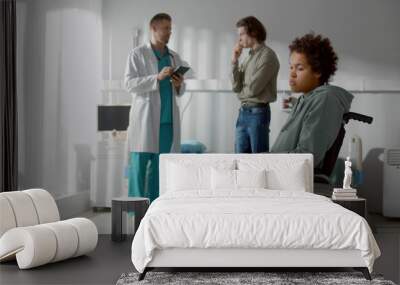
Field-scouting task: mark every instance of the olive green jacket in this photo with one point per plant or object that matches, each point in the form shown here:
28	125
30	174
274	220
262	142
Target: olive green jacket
255	80
314	122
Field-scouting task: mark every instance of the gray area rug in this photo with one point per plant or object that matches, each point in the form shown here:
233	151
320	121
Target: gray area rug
229	278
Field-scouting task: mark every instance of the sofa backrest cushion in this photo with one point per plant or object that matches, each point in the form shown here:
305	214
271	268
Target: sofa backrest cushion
26	208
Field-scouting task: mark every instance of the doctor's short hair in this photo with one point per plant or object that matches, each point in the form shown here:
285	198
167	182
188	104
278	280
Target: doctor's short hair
319	53
254	28
160	17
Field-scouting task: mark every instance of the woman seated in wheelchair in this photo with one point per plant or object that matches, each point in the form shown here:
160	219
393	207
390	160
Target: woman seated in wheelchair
316	117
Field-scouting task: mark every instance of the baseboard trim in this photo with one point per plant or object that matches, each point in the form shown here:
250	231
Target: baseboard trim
72	205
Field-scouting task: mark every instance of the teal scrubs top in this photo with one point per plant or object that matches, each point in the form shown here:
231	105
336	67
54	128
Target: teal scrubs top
165	88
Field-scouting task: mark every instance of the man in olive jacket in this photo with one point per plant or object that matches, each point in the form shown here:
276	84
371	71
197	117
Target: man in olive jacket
254	81
316	117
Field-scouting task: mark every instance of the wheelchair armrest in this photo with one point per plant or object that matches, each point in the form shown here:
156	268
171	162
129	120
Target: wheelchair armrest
358	117
321	178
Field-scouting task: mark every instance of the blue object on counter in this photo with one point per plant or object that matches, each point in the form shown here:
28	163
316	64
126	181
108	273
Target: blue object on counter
192	146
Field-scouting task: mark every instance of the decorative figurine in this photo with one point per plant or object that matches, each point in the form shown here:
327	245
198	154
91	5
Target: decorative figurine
347	174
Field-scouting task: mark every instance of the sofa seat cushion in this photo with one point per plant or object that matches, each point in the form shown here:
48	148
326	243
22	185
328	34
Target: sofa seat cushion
40	244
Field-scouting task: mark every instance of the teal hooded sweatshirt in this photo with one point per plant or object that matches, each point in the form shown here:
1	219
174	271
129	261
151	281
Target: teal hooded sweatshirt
314	122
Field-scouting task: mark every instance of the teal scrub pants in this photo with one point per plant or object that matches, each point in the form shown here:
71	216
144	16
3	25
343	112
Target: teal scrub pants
143	167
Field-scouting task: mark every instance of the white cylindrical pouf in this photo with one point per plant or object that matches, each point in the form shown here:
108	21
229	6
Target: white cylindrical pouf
45	205
7	218
87	234
67	240
34	246
23	207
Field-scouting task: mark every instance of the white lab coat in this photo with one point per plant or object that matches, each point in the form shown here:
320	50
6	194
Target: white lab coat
144	118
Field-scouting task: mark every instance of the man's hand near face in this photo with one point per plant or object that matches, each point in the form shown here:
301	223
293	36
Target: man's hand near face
237	51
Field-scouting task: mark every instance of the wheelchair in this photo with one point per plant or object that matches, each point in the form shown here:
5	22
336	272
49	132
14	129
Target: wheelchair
322	183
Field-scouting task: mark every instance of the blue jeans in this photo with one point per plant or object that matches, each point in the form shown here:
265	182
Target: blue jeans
252	130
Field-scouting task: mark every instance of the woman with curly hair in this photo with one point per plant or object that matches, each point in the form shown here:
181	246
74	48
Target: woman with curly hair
316	117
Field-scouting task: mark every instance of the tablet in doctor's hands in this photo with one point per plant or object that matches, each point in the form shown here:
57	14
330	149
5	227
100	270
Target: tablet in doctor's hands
180	70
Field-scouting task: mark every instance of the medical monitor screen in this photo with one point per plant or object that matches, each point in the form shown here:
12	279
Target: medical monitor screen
112	117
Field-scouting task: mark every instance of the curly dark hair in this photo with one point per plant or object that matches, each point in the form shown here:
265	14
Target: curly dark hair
319	53
253	27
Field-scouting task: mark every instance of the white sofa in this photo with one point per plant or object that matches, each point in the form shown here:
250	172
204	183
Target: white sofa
31	231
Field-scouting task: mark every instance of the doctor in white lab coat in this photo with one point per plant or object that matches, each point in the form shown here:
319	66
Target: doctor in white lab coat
154	122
